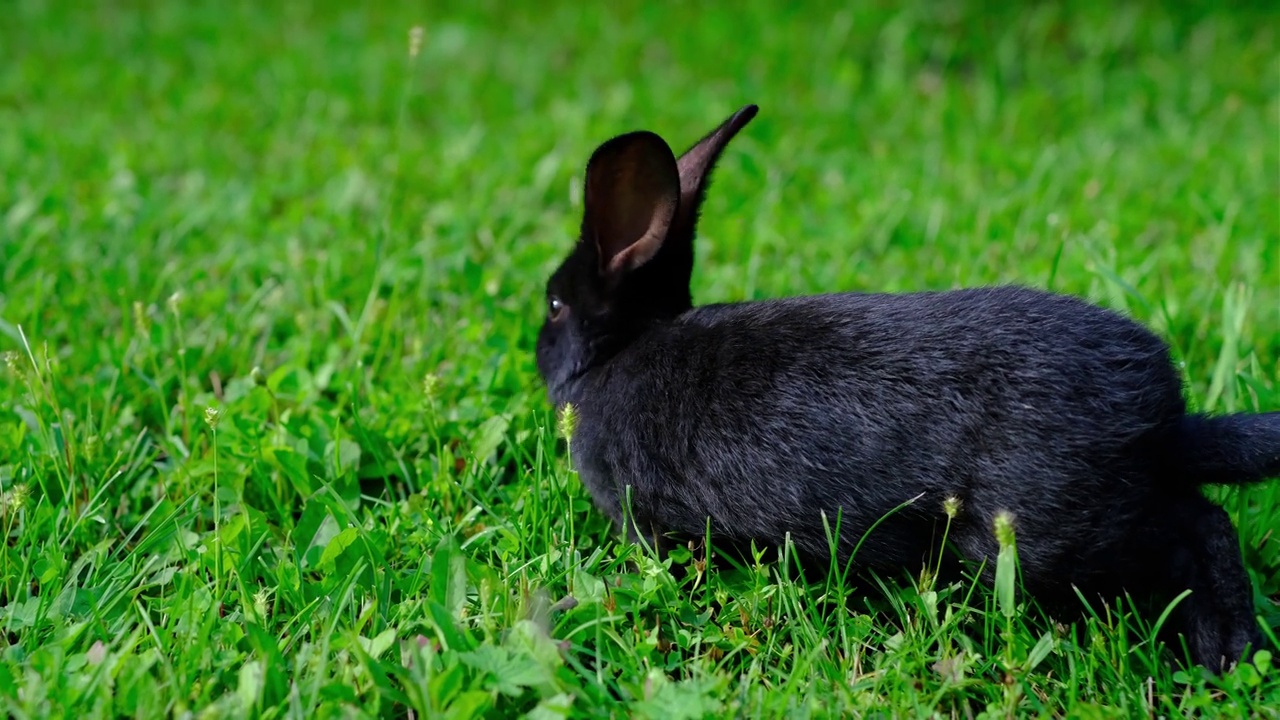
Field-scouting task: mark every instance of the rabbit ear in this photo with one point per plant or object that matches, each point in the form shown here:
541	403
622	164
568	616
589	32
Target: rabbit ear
696	164
631	193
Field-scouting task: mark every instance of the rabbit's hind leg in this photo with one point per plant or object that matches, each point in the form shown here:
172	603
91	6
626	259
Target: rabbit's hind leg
1195	547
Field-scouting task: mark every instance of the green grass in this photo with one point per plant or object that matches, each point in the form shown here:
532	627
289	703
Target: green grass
271	437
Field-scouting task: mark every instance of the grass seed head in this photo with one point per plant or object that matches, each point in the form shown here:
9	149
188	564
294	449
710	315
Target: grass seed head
1004	528
568	421
260	599
951	506
415	40
14	499
140	318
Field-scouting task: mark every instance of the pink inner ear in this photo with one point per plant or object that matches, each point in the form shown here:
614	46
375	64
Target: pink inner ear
696	163
632	191
632	210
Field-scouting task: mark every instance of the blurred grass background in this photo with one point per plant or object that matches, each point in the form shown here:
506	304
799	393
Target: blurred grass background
194	190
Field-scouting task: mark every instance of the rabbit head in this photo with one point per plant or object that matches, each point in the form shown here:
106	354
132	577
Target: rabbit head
632	263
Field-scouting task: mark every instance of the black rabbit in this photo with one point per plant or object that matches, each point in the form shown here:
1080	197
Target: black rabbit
761	417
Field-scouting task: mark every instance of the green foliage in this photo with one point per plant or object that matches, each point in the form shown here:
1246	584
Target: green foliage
271	439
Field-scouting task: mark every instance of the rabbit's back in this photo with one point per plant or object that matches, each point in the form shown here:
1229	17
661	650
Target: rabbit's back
763	414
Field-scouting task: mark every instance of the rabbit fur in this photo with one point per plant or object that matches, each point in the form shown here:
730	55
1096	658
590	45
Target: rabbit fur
781	418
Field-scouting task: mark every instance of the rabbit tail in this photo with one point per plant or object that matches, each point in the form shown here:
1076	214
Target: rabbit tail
1229	449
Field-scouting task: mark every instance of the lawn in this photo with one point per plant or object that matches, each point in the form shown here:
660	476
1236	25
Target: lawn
272	441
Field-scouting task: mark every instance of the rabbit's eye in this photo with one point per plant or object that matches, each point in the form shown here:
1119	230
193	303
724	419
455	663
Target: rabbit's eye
555	308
